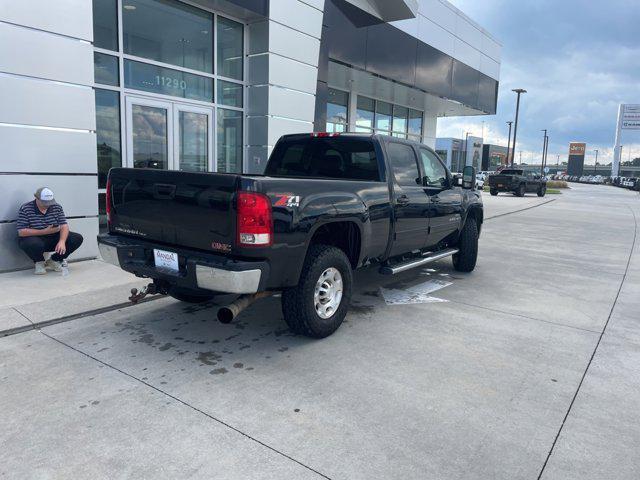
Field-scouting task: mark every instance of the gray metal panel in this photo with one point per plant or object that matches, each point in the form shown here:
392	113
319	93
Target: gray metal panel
12	258
67	17
465	83
24	100
40	54
76	193
293	44
291	74
32	150
434	71
290	104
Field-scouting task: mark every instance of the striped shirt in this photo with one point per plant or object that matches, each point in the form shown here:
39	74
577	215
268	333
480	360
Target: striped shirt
30	216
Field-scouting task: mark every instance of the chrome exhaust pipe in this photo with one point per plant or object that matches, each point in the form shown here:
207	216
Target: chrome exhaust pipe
230	312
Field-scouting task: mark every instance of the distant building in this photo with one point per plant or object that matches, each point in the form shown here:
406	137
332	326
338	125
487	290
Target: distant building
493	156
452	152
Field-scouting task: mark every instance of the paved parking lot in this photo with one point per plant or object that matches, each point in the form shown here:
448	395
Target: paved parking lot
502	373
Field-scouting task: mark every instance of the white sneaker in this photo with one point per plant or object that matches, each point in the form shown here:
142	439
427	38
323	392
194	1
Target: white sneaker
40	269
53	265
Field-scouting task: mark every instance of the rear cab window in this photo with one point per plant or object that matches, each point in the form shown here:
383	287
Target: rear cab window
343	158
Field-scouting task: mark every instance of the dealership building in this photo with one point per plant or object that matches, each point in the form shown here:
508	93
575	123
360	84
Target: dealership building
210	86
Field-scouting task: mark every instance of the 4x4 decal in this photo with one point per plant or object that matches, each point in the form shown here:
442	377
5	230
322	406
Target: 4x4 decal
287	200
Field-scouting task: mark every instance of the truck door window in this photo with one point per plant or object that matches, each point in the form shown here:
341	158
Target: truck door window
403	163
434	172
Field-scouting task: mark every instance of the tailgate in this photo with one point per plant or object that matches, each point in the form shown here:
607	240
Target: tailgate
192	210
504	180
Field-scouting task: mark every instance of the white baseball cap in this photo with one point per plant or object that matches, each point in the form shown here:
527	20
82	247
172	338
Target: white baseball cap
45	195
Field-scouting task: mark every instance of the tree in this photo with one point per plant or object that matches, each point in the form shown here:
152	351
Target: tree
633	163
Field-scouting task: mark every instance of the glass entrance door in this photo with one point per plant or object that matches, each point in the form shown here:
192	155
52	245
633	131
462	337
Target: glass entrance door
168	135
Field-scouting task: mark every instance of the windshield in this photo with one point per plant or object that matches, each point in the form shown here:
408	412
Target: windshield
345	158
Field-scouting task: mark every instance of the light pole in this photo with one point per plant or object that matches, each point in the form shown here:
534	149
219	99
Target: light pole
595	165
509	143
544	148
519	91
466	147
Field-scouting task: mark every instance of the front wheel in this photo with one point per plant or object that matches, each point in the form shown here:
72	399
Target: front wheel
317	306
542	191
493	192
465	259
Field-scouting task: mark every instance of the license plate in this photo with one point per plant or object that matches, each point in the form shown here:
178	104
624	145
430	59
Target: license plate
499	184
166	261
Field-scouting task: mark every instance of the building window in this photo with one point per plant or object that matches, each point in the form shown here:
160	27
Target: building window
400	115
229	128
230	94
105	69
170	32
383	117
167	81
230	48
365	114
415	125
107	133
105	24
337	111
169	67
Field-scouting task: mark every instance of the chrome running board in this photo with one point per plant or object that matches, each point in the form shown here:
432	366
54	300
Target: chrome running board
418	262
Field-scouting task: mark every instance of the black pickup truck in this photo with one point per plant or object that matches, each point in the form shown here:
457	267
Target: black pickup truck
326	204
518	182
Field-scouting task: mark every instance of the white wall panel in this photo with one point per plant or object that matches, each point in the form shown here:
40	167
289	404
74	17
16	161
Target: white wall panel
490	67
291	104
439	13
43	55
267	130
41	150
12	258
67	17
292	74
436	36
469	33
319	4
491	48
76	194
297	15
37	102
467	54
292	44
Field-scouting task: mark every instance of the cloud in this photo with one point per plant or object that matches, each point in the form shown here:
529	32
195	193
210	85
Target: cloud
578	61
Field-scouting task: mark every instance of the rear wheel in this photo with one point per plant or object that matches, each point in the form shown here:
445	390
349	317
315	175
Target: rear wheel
542	191
189	297
465	259
493	192
317	306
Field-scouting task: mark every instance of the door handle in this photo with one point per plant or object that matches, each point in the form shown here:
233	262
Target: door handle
402	200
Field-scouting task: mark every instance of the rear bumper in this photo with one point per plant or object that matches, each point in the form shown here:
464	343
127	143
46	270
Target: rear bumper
198	271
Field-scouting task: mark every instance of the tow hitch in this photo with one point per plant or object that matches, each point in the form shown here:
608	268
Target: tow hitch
151	289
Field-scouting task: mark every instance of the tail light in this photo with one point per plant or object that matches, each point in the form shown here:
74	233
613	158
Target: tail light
255	222
107	200
324	134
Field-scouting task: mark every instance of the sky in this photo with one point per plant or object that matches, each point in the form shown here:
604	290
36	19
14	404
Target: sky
578	60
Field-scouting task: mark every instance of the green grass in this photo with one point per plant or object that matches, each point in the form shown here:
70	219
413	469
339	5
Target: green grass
550	191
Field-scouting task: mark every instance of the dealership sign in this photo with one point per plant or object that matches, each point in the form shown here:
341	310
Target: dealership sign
577	148
631	117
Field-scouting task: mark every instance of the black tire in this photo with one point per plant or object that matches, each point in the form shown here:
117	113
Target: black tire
542	191
298	304
521	190
493	192
465	259
183	296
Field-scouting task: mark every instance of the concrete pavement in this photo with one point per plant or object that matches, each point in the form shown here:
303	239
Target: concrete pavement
510	377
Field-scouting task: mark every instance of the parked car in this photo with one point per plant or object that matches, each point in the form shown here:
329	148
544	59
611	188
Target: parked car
327	204
518	182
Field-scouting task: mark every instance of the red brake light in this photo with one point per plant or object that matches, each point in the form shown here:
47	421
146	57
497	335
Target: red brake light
324	134
255	222
108	200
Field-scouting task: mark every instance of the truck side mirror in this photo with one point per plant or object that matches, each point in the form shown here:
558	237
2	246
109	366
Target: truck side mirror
469	177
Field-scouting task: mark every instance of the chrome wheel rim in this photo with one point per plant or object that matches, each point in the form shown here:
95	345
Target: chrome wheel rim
328	293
